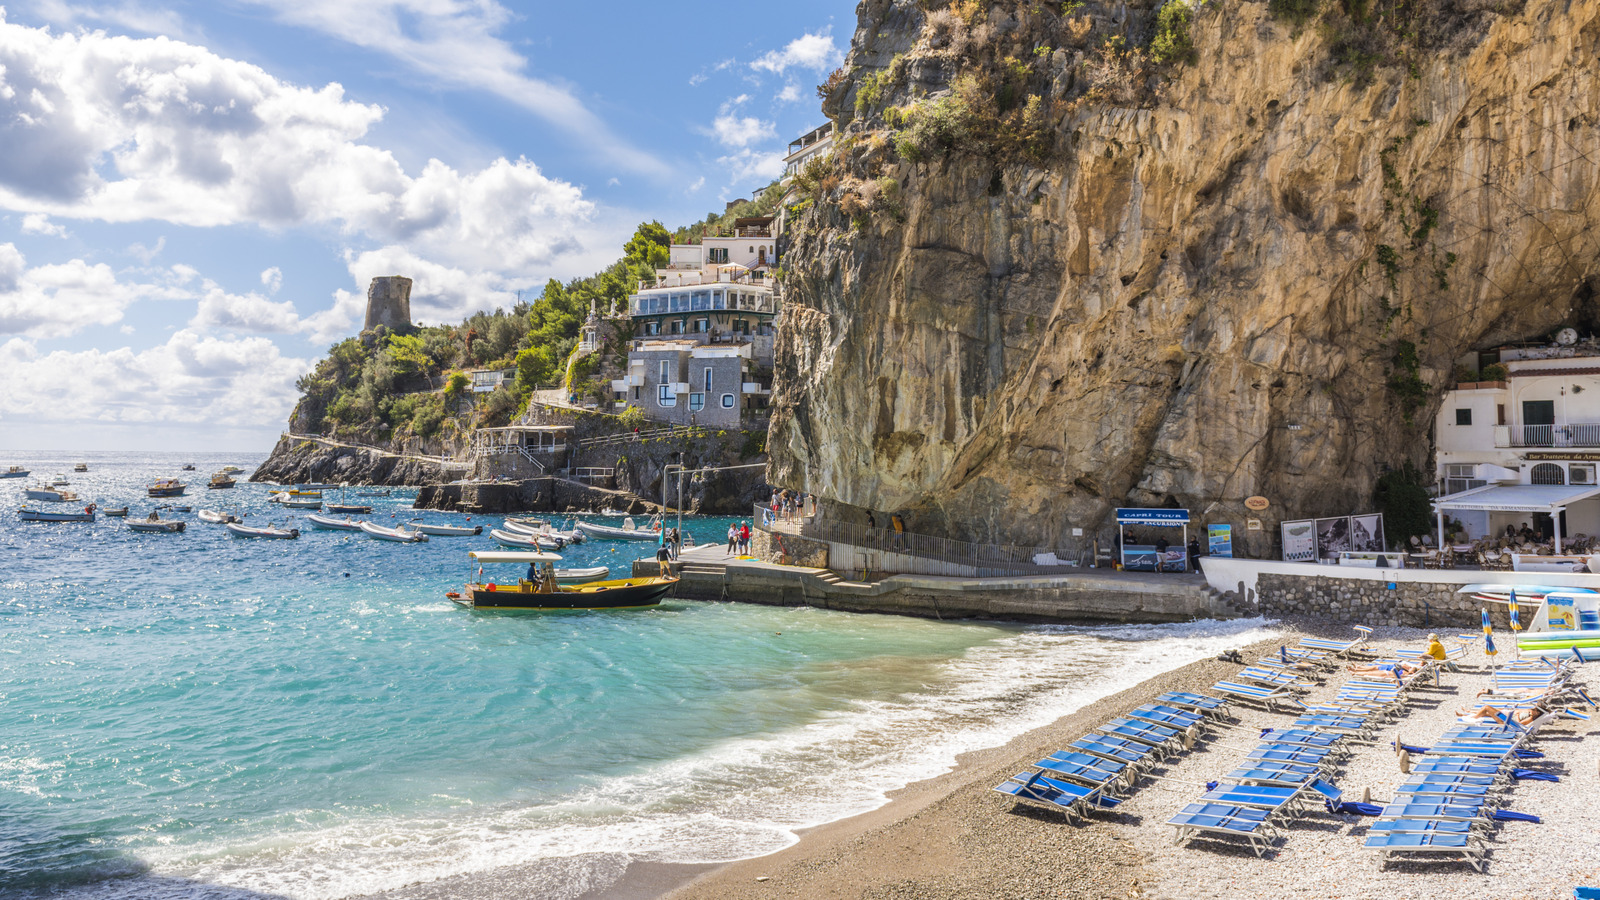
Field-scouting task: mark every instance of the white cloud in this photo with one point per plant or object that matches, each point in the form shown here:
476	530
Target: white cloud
126	329
223	311
39	223
455	42
273	279
734	130
698	184
810	51
789	94
751	164
189	379
147	254
61	299
129	15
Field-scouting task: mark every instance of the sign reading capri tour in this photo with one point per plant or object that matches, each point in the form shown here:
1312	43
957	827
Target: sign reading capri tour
1300	541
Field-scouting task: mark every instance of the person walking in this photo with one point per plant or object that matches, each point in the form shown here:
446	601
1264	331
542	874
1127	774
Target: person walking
899	526
1194	554
744	538
663	555
675	542
733	539
1161	553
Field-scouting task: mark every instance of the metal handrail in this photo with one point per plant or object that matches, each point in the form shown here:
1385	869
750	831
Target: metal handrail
998	558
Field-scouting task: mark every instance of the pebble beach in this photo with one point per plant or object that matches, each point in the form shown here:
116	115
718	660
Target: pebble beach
954	837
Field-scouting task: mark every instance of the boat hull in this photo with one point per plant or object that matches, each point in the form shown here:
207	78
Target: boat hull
18	474
167	492
379	533
33	515
633	593
326	524
524	541
448	530
302	504
609	533
156	527
221	485
245	531
119	513
215	518
344	510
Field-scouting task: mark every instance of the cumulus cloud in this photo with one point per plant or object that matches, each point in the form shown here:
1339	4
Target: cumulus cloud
809	51
789	94
273	279
39	223
189	379
751	164
223	311
61	299
457	44
734	130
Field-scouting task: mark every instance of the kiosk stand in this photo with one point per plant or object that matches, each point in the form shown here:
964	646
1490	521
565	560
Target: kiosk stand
1143	557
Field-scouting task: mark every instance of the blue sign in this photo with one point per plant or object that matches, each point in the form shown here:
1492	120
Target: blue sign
1152	517
1219	540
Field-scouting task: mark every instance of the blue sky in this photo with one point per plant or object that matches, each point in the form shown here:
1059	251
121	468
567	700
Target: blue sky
193	195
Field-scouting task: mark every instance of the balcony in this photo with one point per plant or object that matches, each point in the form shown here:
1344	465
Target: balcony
1572	435
753	387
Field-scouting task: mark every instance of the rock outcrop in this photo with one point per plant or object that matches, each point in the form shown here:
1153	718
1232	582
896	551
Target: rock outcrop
1204	289
300	461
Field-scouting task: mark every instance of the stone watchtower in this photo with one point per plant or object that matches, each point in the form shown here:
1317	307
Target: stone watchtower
389	303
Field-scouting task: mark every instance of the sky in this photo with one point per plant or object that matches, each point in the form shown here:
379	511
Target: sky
195	195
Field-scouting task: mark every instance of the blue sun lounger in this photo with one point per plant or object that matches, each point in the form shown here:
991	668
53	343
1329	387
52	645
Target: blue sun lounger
1423	826
1071	800
1468	847
1457	765
1299	737
1083	773
1168	716
1479	749
1275	774
1428	789
1446	810
1274	679
1277	800
1355	727
1321	757
1136	755
1162	739
1339	648
1212	819
1209	706
1269	697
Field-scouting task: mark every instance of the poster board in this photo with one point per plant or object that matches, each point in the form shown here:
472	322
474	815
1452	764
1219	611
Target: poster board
1366	533
1333	538
1300	541
1219	541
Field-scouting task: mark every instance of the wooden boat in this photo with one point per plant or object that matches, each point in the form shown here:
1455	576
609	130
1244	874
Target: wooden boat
39	515
349	509
49	494
302	504
518	541
397	535
147	526
447	530
247	531
214	517
329	524
221	481
547	594
14	472
120	512
628	531
81	467
166	487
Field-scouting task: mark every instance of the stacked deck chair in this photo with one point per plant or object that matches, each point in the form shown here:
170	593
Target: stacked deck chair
1344	649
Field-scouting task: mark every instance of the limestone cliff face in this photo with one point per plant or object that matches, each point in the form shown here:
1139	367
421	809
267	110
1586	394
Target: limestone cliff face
1145	314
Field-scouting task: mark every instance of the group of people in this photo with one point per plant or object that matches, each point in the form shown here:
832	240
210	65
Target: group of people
1399	670
787	504
669	544
739	539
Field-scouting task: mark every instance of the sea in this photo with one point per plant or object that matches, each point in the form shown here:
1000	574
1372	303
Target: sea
197	715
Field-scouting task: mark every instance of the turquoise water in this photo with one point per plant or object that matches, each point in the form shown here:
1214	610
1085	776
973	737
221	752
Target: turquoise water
197	715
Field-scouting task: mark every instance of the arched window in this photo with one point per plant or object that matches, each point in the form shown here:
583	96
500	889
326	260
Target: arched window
1548	473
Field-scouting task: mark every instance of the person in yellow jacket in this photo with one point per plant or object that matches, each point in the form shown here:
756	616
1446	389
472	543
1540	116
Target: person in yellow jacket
1434	648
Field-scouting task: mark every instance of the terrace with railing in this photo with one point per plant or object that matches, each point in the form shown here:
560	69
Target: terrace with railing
1556	436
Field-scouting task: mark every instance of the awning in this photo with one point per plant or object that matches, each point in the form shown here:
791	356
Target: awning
1152	516
1517	497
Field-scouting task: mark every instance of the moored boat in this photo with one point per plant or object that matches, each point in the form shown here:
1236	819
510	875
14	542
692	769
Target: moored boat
14	472
344	509
148	526
246	531
39	515
327	523
231	470
548	539
519	541
628	531
81	467
541	526
397	535
188	467
119	512
582	576
214	517
447	530
49	494
221	481
284	496
545	592
302	504
60	480
166	487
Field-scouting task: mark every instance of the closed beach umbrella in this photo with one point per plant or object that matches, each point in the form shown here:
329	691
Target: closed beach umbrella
1516	625
1488	635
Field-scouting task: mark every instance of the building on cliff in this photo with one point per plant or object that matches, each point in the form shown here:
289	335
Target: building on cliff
388	303
1519	442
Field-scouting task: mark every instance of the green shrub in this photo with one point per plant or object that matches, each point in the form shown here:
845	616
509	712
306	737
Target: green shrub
1401	495
1405	380
934	127
1172	43
1295	12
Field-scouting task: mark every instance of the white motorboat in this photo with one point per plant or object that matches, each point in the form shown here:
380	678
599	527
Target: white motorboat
247	531
301	504
147	526
49	494
398	535
14	472
582	576
447	530
81	467
523	541
328	523
628	531
551	540
213	516
38	515
540	526
119	512
59	481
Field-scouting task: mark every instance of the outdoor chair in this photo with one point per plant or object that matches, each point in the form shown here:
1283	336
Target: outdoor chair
1468	847
1420	807
1321	757
1210	706
1276	774
1287	801
1082	768
1210	819
1270	697
1071	800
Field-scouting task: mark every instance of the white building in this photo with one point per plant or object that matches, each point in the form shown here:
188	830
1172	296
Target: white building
1521	447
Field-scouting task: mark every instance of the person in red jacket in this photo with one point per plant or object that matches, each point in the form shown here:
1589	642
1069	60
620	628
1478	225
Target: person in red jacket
744	537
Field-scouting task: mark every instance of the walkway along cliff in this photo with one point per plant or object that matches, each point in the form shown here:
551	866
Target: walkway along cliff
1045	275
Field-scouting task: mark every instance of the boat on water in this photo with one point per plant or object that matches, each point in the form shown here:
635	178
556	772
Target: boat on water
155	526
542	526
546	593
349	509
14	472
374	493
39	515
167	487
81	467
628	531
230	470
60	480
214	517
241	530
519	541
399	535
301	504
50	494
120	512
446	530
188	467
549	539
221	481
327	523
282	496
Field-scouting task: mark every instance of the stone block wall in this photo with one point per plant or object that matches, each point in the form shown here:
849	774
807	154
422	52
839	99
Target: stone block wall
1373	603
788	549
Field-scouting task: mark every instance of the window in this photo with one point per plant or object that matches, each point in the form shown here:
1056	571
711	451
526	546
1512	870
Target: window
1548	473
677	326
701	326
1463	417
652	327
665	397
718	254
708	379
665	375
727	401
1499	413
1580	473
697	402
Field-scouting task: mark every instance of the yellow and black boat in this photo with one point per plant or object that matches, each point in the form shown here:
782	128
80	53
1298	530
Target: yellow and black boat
543	592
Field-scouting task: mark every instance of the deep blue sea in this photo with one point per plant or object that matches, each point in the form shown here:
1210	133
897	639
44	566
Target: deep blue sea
197	715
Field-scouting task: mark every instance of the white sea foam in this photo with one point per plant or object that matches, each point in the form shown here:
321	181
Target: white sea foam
742	798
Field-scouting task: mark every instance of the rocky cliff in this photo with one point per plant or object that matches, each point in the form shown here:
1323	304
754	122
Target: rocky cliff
1246	269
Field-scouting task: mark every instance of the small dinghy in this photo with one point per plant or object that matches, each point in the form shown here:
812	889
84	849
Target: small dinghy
398	535
212	516
120	512
148	526
349	510
628	531
247	531
447	530
540	526
550	540
302	504
36	515
582	576
81	467
327	523
522	541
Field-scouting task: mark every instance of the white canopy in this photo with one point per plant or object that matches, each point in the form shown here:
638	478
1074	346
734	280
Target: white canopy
1545	498
512	556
